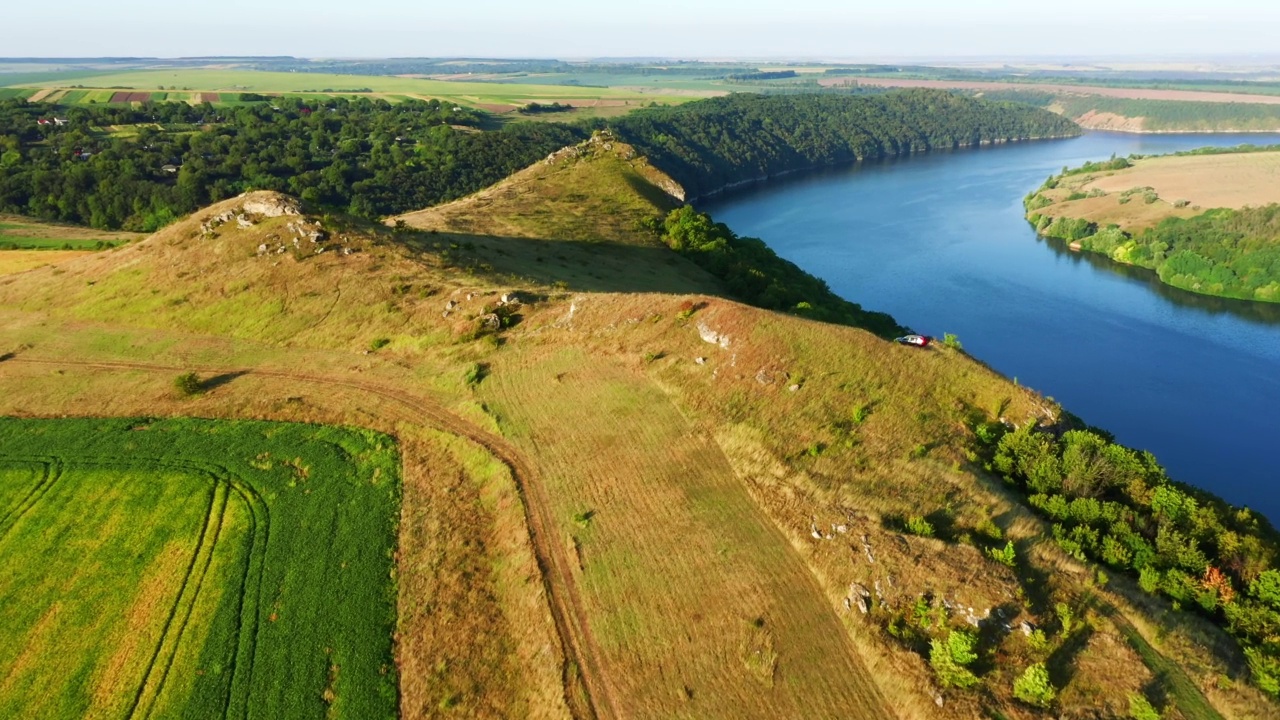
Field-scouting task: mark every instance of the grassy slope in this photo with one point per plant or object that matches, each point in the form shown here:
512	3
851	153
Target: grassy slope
684	457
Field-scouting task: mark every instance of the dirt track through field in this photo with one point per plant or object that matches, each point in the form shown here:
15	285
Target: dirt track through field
558	579
699	604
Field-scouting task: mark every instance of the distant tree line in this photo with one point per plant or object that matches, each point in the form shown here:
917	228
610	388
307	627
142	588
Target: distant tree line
372	158
762	75
709	145
534	108
1157	114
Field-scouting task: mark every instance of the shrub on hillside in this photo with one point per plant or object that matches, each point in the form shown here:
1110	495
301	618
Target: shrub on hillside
188	384
1034	688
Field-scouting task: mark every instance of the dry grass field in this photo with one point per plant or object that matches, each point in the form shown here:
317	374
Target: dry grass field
1184	186
16	261
1210	181
605	514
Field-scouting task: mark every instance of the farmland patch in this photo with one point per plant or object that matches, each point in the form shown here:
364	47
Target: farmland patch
190	567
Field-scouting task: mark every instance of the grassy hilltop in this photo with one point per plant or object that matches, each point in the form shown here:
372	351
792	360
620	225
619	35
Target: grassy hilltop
627	493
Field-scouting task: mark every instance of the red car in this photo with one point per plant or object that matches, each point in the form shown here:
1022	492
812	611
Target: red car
916	340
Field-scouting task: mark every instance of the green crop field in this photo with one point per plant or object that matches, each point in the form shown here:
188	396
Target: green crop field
196	568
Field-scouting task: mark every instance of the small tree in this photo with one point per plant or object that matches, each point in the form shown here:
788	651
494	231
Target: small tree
1034	688
949	659
188	384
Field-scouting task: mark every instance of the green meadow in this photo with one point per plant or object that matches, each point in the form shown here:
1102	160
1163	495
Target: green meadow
196	568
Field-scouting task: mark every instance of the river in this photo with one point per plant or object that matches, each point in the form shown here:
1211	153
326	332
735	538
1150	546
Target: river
939	241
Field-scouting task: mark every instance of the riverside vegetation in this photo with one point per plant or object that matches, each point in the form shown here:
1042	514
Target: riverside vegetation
1224	251
625	491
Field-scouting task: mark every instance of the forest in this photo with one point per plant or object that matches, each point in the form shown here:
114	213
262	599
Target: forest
1157	114
710	145
372	158
755	274
1222	252
1115	506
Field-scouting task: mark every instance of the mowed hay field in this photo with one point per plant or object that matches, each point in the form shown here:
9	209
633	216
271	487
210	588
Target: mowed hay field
1194	182
694	602
468	93
196	568
1231	180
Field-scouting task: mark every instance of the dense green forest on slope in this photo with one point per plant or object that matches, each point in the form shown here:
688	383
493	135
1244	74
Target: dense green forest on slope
1115	506
754	273
366	157
372	158
709	145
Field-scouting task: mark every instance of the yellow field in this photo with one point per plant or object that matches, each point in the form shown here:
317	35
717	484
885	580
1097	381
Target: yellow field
1210	181
16	261
1184	186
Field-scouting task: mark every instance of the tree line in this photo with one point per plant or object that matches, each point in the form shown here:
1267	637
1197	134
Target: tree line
754	273
709	145
371	158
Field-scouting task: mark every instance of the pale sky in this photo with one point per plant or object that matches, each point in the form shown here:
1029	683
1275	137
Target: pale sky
671	28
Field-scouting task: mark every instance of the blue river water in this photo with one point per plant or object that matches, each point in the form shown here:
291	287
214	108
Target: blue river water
939	241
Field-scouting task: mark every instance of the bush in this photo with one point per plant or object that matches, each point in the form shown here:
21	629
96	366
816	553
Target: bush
950	658
379	343
1005	556
474	374
1141	708
917	525
951	341
188	384
1034	688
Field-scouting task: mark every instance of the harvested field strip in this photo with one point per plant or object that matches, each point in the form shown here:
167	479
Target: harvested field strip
219	631
696	604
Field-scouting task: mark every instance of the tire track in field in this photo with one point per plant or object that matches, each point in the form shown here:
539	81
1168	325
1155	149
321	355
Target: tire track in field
580	649
52	473
141	696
